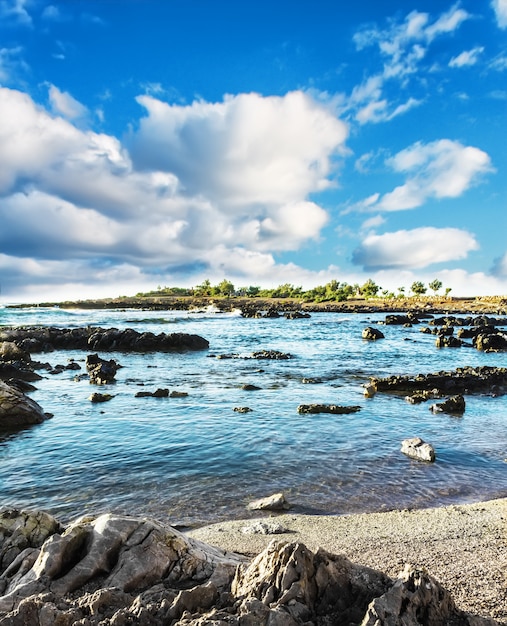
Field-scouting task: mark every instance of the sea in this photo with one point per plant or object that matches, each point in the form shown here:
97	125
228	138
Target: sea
193	459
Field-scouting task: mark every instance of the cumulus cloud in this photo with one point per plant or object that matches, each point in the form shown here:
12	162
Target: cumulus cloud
467	58
208	184
500	8
247	150
440	169
413	249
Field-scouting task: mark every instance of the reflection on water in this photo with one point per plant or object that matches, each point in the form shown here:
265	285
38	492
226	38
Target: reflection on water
194	459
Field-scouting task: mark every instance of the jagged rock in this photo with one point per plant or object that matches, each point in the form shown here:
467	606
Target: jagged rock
454	404
417	449
422	396
372	334
335	409
289	578
415	598
119	571
121	552
17	410
276	502
100	371
242	409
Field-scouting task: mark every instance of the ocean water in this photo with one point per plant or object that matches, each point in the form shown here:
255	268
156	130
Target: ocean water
194	460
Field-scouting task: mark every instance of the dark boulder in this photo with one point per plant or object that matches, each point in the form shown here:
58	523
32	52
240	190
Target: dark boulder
454	404
100	371
372	334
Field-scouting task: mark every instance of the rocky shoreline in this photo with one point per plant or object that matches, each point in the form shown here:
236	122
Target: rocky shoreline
430	566
116	571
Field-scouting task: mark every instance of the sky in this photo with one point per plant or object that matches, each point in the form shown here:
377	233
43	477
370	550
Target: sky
154	143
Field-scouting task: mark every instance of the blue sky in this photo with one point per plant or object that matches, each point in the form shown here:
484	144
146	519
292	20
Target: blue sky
147	143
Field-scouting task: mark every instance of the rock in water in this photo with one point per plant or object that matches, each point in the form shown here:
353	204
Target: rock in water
17	410
372	334
276	502
417	449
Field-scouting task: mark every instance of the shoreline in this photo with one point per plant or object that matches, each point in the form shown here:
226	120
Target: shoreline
463	546
426	304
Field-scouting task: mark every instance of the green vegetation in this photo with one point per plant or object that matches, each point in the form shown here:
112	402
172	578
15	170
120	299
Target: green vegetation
333	291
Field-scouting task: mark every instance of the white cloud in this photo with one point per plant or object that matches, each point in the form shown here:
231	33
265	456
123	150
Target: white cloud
415	248
62	103
216	183
244	151
440	169
16	11
500	8
467	58
403	46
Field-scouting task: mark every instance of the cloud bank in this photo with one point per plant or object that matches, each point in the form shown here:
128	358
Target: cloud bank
217	185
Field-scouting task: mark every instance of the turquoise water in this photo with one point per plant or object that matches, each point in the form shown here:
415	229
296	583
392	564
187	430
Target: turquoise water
193	460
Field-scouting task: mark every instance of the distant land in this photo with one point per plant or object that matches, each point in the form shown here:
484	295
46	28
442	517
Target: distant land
430	304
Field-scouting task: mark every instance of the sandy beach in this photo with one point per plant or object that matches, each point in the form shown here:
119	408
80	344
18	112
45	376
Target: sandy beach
464	547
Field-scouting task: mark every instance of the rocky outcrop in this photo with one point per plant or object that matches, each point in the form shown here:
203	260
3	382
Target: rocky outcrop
113	571
38	339
467	380
416	448
101	371
18	410
336	409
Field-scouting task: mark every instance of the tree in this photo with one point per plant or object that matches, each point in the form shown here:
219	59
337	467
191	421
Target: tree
435	285
418	288
204	289
225	288
369	289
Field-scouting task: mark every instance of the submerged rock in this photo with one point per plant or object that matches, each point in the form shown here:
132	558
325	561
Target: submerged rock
335	409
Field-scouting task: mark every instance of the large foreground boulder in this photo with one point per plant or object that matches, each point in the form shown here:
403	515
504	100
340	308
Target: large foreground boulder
118	571
18	410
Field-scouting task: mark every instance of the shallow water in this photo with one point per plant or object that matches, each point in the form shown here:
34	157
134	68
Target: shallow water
193	460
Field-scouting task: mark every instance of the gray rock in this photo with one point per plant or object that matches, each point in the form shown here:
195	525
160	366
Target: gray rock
417	449
336	409
276	502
